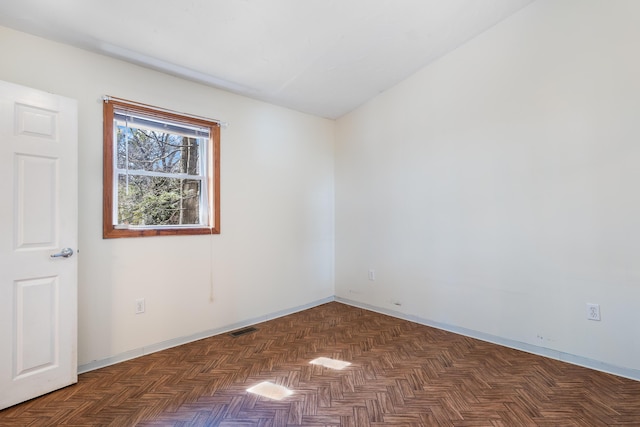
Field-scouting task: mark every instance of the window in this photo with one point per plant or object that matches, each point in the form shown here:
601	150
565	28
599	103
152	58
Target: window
161	172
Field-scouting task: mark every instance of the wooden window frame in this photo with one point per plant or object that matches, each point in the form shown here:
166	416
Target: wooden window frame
109	229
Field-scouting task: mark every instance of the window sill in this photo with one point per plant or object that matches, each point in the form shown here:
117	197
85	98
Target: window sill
115	233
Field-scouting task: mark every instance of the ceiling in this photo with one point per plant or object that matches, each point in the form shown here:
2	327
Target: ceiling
323	57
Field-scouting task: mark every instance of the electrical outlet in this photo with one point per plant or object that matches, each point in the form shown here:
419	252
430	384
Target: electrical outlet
140	306
372	275
593	311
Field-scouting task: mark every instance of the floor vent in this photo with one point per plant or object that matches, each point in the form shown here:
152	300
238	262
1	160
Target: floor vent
243	331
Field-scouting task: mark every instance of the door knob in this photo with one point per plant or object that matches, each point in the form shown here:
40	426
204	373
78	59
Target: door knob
64	253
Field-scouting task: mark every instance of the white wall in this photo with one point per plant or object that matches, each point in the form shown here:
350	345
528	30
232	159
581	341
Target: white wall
276	247
497	190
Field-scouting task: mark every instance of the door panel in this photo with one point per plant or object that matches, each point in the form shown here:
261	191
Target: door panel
35	193
38	293
36	311
38	122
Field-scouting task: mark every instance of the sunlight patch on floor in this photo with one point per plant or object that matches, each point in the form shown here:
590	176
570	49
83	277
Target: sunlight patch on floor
270	390
330	363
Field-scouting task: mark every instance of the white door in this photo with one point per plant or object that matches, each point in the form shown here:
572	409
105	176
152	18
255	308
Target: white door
38	218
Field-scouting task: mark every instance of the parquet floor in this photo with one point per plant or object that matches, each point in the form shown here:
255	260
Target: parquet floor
402	374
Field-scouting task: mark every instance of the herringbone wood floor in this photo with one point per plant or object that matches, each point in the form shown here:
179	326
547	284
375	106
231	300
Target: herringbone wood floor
403	374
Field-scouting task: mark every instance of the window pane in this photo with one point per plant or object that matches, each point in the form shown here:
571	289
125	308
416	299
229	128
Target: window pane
152	150
145	201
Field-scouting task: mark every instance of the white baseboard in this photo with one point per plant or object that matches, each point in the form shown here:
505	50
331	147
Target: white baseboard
132	354
633	374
